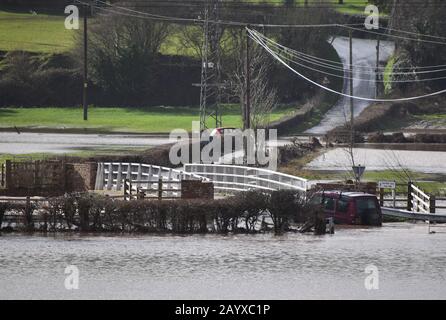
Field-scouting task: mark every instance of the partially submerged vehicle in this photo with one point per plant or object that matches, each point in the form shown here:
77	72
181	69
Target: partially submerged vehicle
355	208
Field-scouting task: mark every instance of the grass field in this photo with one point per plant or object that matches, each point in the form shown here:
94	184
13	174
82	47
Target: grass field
36	33
46	33
149	120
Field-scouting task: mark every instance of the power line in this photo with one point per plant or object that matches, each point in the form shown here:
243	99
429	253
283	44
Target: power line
394	36
313	60
137	13
237	23
414	33
258	40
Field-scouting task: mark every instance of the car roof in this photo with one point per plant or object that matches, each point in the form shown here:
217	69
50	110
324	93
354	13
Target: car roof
351	194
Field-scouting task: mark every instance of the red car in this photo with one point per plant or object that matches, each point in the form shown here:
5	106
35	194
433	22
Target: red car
350	207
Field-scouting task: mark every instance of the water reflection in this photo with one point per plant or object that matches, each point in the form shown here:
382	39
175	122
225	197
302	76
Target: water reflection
216	267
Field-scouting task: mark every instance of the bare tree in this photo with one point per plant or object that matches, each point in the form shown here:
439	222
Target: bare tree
262	95
191	39
122	53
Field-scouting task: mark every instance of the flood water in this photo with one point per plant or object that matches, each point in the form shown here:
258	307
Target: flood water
411	265
339	159
30	142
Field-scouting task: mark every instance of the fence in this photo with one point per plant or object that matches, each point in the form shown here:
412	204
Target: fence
231	178
154	190
414	200
111	176
2	175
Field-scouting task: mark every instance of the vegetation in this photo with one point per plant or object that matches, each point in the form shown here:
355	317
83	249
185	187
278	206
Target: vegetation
153	119
34	32
92	212
388	75
419	20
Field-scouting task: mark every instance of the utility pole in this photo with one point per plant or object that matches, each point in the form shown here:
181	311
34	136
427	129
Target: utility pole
352	116
247	113
210	86
377	68
85	80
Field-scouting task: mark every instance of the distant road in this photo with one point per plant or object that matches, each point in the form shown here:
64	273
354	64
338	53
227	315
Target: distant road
24	143
364	55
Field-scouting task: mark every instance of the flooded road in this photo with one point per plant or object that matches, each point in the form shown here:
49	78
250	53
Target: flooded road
26	142
364	61
378	159
411	265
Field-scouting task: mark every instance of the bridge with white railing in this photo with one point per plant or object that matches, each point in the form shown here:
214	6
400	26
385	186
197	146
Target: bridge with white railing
226	178
230	179
112	175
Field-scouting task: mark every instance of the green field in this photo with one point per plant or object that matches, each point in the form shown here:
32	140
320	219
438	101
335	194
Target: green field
149	120
36	33
46	33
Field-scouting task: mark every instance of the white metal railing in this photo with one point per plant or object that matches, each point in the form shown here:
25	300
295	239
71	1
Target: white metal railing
231	178
111	176
420	200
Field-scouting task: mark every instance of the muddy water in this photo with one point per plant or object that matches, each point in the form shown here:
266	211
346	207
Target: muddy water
11	142
411	264
378	159
364	60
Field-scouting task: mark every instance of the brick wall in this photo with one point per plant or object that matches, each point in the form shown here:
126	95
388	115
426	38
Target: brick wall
48	178
195	189
34	174
80	176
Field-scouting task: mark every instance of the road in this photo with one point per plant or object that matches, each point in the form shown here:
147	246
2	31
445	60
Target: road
25	143
364	56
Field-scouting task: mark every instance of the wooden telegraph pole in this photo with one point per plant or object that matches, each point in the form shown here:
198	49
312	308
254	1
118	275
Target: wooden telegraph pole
247	106
85	80
377	68
247	112
352	117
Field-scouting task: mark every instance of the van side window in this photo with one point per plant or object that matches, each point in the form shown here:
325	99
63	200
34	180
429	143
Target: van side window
343	205
329	204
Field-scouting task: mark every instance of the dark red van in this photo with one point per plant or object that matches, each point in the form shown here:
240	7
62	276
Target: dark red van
350	207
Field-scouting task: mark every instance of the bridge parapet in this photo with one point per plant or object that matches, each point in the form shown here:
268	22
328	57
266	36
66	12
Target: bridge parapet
111	175
232	178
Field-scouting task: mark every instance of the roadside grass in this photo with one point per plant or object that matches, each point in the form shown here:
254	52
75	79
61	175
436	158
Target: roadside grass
34	33
352	7
432	117
140	120
80	153
430	183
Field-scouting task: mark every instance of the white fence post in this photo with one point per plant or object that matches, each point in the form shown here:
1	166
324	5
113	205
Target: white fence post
99	185
110	176
149	183
119	177
139	177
